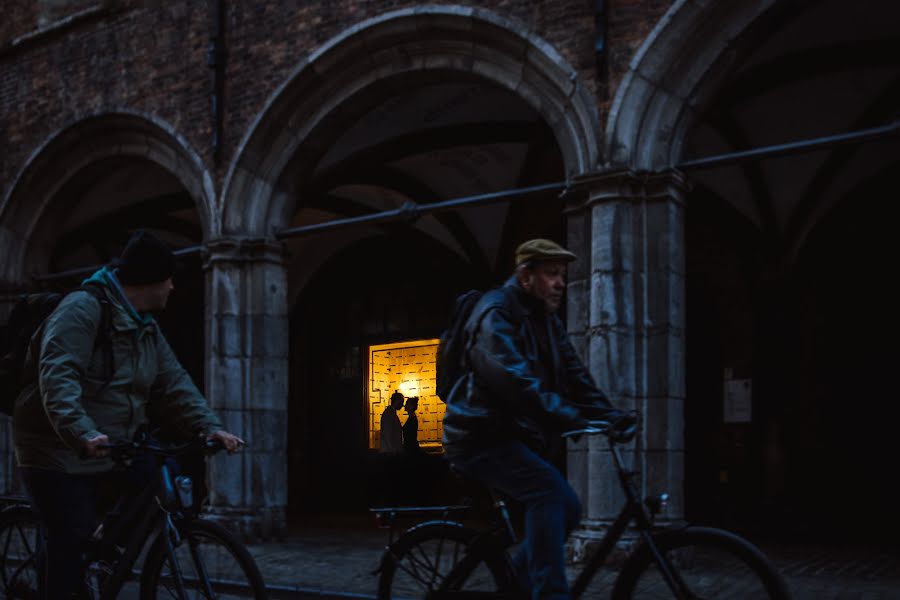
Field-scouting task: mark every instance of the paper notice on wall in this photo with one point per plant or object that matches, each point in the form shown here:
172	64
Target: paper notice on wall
738	401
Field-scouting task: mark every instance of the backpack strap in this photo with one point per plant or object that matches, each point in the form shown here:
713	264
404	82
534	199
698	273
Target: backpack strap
488	301
103	337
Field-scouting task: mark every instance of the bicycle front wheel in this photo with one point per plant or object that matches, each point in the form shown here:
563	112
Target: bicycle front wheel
704	563
19	534
433	561
210	562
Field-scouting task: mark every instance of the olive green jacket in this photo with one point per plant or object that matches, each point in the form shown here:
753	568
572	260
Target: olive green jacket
71	402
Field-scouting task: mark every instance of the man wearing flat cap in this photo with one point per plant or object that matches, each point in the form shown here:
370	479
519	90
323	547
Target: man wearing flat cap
524	387
100	363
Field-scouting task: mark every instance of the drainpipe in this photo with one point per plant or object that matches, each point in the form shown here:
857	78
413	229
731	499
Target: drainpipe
600	42
216	62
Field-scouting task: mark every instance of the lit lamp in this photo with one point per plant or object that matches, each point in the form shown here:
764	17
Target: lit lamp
408	387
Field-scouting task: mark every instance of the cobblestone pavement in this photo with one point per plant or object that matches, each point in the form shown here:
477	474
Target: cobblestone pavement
336	559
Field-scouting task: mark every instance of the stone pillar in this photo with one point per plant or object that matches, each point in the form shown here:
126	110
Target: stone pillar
247	380
626	317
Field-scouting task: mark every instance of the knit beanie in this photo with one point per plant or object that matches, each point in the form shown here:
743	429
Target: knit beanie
145	259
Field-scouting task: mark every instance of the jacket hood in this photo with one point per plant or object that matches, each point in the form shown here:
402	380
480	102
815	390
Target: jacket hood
106	278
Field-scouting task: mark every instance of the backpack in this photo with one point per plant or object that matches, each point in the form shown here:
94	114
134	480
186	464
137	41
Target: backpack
27	316
451	352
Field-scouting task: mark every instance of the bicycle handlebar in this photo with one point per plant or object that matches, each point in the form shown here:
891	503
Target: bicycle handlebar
593	428
122	450
618	432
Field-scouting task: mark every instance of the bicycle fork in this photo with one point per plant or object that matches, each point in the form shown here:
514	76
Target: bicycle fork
170	532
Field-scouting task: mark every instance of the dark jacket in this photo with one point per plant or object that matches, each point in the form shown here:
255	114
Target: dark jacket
522	383
71	401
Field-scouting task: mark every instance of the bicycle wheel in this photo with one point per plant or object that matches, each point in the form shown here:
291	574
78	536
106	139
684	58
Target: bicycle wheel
707	563
19	535
431	561
212	564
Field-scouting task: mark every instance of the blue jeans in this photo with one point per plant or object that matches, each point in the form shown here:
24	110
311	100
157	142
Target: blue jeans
552	511
68	506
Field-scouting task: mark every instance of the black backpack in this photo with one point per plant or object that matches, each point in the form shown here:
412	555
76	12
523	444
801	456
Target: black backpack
28	314
451	352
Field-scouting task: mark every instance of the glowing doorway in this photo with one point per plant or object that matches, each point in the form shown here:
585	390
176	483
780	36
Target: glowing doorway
410	368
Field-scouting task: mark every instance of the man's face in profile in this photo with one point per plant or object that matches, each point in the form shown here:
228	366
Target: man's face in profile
546	280
157	295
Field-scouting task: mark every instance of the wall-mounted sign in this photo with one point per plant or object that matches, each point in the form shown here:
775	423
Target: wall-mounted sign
738	401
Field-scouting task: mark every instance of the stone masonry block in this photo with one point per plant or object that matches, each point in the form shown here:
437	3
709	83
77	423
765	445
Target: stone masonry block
266	430
225	385
264	480
227	484
268	336
577	466
663	423
612	363
665	297
268	289
268	383
612	300
604	498
226	336
224	290
613	237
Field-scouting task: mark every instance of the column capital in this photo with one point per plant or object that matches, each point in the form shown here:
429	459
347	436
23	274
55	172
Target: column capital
620	183
244	250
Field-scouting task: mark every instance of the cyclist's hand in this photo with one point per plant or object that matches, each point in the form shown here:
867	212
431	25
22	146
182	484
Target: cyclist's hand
93	447
623	427
231	442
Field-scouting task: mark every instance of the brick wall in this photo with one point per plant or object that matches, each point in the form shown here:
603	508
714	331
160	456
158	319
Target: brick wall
151	57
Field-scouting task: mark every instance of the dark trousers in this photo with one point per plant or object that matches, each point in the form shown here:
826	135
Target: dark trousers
69	508
552	511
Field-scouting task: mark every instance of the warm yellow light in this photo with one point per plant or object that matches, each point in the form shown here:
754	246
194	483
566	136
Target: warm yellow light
407	367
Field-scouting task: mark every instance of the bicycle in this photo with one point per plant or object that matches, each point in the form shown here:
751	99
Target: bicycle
443	559
184	556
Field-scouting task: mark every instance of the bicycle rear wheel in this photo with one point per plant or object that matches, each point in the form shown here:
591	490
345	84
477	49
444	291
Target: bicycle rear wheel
432	561
19	541
212	564
706	563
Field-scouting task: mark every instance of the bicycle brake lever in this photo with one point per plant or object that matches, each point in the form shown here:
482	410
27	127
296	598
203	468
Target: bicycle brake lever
579	432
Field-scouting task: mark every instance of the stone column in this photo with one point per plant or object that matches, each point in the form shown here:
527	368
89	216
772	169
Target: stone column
626	317
247	380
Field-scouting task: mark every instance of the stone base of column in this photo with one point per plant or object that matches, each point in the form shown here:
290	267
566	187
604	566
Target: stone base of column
250	524
585	540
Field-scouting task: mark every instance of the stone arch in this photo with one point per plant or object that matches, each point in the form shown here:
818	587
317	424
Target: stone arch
463	40
90	139
672	75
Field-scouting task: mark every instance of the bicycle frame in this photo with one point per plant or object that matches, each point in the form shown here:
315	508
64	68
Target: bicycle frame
158	520
635	510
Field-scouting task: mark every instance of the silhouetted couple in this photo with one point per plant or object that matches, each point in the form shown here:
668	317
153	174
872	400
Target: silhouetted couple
397	438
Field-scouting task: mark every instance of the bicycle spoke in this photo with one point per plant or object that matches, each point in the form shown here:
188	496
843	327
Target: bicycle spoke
210	570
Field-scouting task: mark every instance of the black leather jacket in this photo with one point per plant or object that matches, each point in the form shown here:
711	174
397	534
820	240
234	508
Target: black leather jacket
521	384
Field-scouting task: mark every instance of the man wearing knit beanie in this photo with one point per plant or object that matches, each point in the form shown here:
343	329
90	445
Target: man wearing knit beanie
144	270
96	359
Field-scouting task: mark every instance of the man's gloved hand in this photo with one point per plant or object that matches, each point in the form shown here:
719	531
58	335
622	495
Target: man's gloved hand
622	426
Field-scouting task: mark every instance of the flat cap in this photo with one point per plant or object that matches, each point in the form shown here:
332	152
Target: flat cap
542	249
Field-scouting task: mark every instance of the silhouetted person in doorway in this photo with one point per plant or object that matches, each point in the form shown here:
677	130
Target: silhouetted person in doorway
411	427
391	430
390	472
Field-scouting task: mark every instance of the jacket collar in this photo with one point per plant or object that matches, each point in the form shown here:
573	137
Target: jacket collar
106	277
528	303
